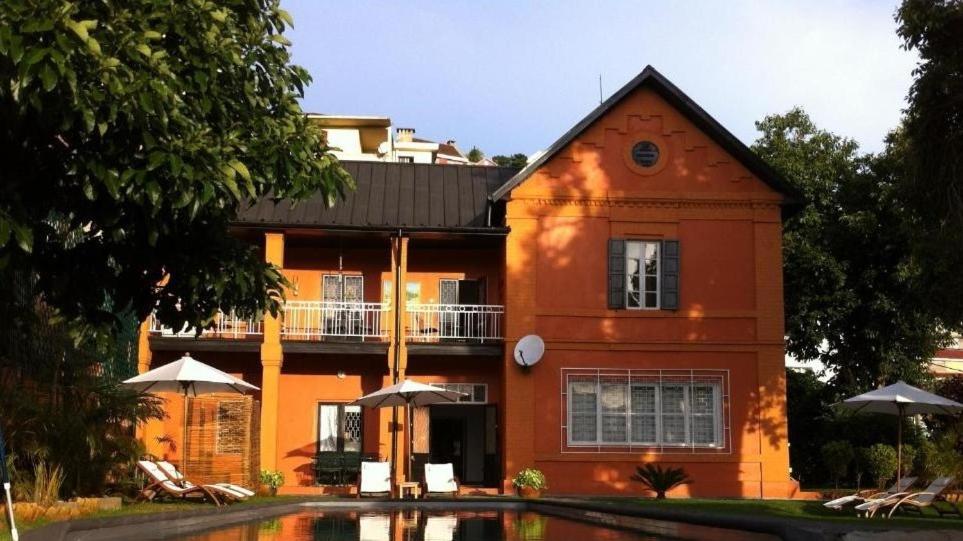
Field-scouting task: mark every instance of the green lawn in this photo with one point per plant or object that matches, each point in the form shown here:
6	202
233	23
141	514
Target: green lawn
796	509
141	508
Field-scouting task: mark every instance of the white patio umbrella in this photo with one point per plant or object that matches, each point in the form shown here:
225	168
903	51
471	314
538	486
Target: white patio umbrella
901	399
410	394
192	378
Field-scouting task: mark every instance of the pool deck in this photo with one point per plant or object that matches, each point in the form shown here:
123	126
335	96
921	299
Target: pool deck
679	523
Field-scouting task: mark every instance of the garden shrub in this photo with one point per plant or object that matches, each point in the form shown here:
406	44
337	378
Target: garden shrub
908	462
881	463
837	455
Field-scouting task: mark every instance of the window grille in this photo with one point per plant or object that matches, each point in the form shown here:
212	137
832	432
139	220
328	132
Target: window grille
618	410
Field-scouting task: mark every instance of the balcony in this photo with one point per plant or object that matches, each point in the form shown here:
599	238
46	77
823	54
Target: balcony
227	326
345	321
447	323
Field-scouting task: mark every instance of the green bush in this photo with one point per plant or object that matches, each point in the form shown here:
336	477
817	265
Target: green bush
908	459
939	458
837	455
660	480
881	463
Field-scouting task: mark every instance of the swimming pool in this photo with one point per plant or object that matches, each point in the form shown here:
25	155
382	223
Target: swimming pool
418	525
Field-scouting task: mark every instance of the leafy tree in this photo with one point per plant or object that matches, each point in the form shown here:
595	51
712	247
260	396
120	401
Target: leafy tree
837	455
933	154
63	409
517	161
475	155
131	133
852	288
881	463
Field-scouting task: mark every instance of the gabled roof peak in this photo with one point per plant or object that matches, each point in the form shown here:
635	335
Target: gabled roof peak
650	77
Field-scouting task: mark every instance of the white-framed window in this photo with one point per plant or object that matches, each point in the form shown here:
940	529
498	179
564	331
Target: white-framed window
642	275
641	409
474	393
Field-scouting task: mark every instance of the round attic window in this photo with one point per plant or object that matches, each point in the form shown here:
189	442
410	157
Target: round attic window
645	153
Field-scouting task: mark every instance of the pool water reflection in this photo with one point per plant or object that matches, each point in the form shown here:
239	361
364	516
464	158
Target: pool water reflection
417	525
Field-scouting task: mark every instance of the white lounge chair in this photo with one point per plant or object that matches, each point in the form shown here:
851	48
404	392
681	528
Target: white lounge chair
865	495
236	492
160	483
375	478
915	501
440	479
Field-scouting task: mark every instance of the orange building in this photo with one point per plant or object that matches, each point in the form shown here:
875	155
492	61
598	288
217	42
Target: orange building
644	247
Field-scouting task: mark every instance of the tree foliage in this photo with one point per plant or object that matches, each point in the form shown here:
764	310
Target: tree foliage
852	287
131	134
517	160
475	154
933	155
63	409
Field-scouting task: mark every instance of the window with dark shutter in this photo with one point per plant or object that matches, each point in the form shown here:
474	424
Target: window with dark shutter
616	289
670	274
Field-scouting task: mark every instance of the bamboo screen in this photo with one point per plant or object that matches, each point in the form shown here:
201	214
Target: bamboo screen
222	444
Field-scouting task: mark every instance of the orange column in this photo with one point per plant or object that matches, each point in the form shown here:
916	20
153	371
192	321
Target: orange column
773	431
149	431
519	407
272	359
398	351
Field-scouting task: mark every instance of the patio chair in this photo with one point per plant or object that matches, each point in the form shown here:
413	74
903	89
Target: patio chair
160	483
236	492
440	479
865	495
916	500
932	497
375	478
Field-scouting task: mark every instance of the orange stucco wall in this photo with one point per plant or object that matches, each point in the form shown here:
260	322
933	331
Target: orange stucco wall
729	318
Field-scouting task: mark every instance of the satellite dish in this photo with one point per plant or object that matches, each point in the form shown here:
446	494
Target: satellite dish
529	350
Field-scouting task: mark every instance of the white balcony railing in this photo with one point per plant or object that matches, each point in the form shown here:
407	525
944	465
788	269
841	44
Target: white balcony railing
454	322
317	320
225	326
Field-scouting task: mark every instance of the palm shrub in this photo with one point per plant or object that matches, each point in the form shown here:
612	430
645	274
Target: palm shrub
837	455
881	463
660	480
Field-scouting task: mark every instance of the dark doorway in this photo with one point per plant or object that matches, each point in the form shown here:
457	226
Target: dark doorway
464	435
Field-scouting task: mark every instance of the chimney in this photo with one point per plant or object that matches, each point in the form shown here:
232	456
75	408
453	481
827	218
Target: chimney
405	135
450	142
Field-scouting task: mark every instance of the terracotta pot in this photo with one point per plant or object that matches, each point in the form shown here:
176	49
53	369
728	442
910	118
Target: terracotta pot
267	490
529	492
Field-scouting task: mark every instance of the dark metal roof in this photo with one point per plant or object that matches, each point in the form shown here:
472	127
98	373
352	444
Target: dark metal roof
389	196
691	110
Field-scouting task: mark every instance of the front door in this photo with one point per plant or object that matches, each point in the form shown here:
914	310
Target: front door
458	323
464	435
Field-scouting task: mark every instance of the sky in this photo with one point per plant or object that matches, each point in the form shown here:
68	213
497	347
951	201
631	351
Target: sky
514	76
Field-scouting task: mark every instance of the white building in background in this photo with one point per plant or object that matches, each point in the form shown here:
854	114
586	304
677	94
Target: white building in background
370	138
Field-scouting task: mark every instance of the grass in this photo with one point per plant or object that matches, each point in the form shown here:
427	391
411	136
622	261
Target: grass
142	508
794	509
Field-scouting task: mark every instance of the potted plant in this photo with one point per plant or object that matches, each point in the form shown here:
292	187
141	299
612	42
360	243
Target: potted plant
270	481
529	483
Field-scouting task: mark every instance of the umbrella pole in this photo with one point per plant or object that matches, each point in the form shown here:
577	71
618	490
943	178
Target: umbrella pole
899	446
394	443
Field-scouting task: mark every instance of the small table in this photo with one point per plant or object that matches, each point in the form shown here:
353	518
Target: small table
409	487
